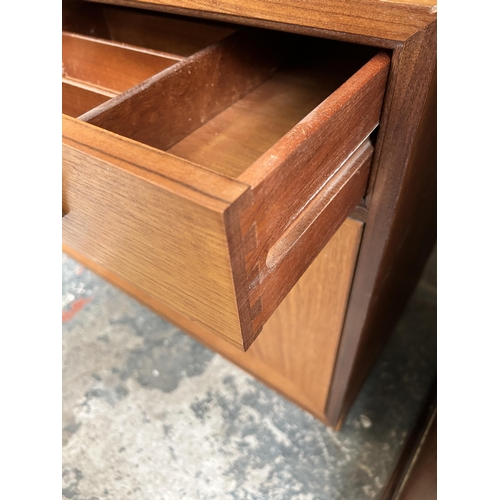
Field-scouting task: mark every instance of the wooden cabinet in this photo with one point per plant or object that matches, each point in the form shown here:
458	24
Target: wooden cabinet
210	169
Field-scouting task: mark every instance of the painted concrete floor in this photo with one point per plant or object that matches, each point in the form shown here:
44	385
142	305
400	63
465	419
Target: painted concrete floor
151	414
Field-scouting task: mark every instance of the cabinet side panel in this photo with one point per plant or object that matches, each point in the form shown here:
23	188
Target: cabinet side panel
401	225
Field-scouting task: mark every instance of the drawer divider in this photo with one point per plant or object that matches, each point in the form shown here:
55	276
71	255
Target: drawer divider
191	92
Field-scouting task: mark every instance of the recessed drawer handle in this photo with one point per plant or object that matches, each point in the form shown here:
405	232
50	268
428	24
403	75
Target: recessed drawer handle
321	200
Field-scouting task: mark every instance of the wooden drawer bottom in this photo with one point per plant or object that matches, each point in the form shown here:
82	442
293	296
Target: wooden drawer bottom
296	351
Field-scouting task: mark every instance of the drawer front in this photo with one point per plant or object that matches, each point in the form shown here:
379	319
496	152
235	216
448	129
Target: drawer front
174	187
154	231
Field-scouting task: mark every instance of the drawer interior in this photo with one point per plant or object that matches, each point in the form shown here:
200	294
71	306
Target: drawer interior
94	70
151	30
78	98
237	92
234	139
107	49
108	65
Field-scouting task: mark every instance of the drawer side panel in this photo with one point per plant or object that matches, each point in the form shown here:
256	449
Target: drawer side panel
326	155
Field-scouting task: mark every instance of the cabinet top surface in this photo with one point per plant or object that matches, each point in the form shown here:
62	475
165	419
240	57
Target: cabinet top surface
389	21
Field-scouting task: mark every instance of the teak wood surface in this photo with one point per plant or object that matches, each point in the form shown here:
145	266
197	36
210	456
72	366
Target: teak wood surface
187	95
242	133
381	22
251	237
171	35
130	209
401	224
78	98
109	65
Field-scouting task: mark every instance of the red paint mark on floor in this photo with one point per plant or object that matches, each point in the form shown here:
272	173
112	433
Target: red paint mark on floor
76	305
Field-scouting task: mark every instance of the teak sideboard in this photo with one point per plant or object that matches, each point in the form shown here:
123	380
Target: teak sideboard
261	174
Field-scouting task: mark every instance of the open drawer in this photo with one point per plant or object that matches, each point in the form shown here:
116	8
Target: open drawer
213	183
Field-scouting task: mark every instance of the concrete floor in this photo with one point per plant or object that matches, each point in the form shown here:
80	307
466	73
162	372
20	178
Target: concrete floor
150	414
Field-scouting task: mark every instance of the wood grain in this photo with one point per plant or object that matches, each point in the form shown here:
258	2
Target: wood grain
108	65
77	99
295	352
372	19
166	236
294	250
401	225
239	135
300	339
296	169
174	103
157	31
183	36
432	4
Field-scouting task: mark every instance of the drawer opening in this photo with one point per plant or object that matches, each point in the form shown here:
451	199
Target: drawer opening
152	30
224	107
